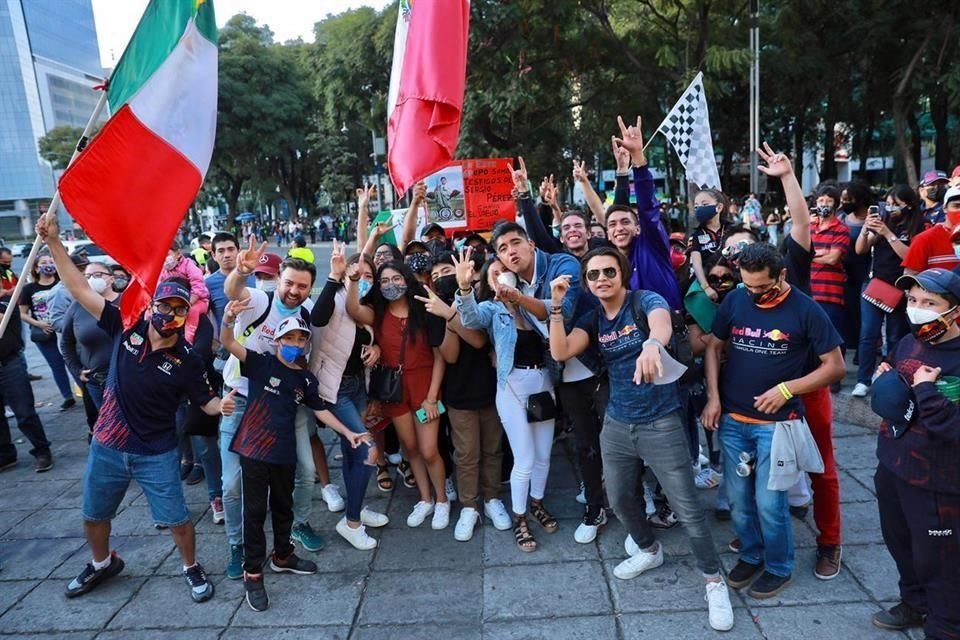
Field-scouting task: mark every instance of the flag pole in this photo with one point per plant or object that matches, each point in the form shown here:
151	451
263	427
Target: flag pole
52	209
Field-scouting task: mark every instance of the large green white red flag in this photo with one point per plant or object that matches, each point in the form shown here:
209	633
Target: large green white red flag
131	187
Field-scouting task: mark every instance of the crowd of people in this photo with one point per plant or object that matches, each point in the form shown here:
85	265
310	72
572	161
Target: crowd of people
459	362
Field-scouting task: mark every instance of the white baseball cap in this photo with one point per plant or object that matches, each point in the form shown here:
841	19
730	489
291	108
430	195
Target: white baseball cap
295	323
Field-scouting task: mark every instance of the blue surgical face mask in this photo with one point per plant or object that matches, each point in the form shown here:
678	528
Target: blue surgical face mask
48	270
363	287
282	309
290	352
705	212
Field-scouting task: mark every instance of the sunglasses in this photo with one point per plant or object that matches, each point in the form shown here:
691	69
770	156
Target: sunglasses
714	281
608	272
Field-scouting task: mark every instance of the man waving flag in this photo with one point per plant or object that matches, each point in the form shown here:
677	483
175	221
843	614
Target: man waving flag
133	184
427	83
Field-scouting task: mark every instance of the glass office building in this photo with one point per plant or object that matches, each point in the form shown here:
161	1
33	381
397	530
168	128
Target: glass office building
49	64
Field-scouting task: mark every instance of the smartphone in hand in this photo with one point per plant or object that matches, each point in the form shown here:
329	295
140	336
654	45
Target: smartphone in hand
422	415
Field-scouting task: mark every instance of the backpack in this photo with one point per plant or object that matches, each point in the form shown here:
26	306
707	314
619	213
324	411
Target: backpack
259	321
679	347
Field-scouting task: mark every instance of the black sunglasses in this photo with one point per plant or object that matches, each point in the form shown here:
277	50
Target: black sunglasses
608	272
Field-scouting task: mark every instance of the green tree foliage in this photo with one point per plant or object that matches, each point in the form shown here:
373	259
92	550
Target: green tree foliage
57	146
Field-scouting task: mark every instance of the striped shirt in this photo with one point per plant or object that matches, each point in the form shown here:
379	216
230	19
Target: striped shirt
827	280
932	248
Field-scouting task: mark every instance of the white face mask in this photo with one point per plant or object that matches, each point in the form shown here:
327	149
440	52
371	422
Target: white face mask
921	316
170	264
98	284
267	285
508	279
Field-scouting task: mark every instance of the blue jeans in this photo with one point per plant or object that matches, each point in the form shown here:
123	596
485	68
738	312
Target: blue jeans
51	353
16	393
205	449
871	324
351	403
109	473
95	391
760	517
838	319
232	486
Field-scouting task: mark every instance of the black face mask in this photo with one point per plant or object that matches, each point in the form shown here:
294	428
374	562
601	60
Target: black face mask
446	287
848	207
6	266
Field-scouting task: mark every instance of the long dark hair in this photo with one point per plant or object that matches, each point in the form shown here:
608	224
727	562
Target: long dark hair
484	292
911	218
417	314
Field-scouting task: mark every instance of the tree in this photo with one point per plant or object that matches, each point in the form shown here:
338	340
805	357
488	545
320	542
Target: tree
58	145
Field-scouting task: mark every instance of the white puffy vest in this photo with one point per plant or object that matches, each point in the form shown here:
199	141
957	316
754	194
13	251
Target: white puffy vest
331	347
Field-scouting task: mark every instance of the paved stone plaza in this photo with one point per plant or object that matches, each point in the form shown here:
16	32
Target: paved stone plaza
418	583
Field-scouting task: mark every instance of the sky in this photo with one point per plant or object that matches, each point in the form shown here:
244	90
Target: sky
288	19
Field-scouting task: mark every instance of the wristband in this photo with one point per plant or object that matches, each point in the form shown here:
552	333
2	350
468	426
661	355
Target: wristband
652	341
523	195
782	387
464	292
357	279
229	325
556	309
453	315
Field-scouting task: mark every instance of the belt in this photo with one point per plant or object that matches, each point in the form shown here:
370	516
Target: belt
527	366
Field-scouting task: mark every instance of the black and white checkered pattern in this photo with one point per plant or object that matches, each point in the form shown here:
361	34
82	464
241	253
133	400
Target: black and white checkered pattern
687	127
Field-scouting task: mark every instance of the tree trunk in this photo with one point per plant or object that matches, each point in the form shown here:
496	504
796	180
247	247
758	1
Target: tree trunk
829	167
902	146
915	141
938	113
799	131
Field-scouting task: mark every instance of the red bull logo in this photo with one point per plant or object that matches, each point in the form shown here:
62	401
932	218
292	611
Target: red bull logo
777	336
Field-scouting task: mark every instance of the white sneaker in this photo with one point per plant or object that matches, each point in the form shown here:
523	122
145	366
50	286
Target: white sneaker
441	516
860	391
631	547
587	532
358	537
718	603
498	515
708	479
450	490
8	412
469	517
373	518
394	458
420	512
331	495
582	496
637	564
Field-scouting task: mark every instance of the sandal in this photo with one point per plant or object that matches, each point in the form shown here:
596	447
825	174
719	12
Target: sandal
521	533
384	481
408	480
547	521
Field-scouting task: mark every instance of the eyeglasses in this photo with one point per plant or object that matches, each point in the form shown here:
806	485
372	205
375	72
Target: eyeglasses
386	253
99	275
715	281
608	272
392	280
164	308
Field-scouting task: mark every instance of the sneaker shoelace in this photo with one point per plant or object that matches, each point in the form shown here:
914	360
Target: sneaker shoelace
196	576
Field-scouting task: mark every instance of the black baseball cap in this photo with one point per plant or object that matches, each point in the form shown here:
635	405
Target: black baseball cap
430	228
934	280
891	398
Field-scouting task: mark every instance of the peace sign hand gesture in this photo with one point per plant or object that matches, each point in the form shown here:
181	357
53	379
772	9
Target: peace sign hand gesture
579	171
548	191
778	164
435	306
338	260
249	258
464	267
363	195
519	176
631	139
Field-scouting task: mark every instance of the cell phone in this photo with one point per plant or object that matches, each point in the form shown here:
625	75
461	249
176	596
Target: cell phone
873	210
422	415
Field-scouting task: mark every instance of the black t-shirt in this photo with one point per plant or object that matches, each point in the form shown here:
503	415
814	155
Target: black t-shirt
887	265
528	351
355	361
267	432
12	341
34	295
471	382
145	387
797	260
768	346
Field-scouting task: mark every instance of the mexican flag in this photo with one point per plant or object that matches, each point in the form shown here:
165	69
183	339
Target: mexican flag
132	185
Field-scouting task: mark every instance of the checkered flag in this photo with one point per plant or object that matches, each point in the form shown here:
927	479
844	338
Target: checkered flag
687	127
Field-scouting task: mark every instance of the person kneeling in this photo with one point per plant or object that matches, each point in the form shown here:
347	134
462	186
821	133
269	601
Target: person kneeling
266	444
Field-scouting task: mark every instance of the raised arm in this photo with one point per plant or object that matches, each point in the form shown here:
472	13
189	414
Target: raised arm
227	338
363	215
779	166
563	346
235	286
418	200
594	203
361	314
71	278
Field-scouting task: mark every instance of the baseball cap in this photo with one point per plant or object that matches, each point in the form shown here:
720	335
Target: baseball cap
952	194
415	245
934	176
172	289
80	259
933	280
891	398
293	323
430	228
269	265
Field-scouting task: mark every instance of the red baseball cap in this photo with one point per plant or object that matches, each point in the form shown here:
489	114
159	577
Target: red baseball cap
269	265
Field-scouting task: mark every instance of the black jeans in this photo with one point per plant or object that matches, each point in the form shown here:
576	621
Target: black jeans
16	393
584	403
260	480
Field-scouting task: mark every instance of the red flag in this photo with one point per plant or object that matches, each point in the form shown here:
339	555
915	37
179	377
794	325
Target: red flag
426	88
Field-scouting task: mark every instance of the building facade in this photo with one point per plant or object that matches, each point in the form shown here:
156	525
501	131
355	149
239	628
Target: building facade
49	64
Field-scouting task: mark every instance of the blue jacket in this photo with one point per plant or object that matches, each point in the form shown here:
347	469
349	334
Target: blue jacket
650	253
493	316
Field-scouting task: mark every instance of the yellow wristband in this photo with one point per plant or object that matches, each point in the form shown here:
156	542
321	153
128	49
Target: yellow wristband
786	392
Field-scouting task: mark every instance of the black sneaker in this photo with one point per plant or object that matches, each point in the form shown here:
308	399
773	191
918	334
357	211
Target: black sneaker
9	463
292	564
594	516
196	475
201	589
664	518
185	469
90	577
256	593
800	513
767	586
898	618
723	515
44	462
69	403
741	575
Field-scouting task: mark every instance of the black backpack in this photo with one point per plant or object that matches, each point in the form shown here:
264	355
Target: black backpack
259	321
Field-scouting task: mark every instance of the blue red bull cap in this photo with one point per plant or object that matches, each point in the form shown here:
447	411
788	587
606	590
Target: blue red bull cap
172	289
